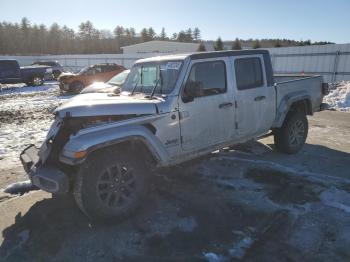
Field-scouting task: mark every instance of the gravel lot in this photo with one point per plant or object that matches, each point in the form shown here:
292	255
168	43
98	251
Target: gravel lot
246	203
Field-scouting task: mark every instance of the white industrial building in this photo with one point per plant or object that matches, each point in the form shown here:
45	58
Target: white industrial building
160	47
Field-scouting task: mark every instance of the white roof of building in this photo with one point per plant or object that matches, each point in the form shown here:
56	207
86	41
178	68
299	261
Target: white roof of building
167	43
163	57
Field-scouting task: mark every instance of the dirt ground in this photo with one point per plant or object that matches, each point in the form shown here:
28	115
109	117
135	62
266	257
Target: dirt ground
247	203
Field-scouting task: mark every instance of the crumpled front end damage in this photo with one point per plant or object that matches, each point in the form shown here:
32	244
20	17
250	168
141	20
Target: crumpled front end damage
85	124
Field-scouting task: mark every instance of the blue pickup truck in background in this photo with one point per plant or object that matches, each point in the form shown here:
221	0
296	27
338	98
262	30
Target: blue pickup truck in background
12	73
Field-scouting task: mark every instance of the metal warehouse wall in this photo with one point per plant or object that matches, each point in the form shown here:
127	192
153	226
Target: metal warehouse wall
330	61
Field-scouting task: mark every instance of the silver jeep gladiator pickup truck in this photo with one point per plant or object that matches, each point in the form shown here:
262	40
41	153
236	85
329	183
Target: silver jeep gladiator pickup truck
102	147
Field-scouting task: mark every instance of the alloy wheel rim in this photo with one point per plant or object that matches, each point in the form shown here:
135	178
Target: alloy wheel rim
37	80
296	133
116	186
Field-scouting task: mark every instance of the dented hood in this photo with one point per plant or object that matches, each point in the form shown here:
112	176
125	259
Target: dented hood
103	104
65	75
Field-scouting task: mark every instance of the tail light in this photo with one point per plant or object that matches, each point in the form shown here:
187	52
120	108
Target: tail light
325	88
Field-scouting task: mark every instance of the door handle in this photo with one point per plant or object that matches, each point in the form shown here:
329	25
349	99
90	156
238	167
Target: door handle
225	105
259	98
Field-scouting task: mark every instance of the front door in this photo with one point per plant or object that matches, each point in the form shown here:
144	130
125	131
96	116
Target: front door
209	118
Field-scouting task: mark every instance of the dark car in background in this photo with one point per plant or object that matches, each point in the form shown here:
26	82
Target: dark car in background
57	68
74	83
113	85
12	73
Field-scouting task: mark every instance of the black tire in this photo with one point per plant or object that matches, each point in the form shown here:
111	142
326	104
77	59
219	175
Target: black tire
291	137
36	81
56	74
76	87
111	185
64	197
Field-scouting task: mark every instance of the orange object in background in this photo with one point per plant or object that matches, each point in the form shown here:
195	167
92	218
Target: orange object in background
74	83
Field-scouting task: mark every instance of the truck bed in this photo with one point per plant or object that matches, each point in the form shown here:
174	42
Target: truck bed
310	85
28	72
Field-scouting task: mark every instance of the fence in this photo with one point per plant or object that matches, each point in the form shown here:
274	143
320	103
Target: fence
330	61
76	62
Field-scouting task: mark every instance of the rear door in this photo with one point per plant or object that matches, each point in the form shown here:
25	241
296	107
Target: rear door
209	118
255	100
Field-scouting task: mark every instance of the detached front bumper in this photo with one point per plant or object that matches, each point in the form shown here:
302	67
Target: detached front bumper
48	179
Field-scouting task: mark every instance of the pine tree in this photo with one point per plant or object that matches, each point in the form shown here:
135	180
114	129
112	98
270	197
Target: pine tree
181	36
25	28
151	33
55	38
24	38
132	32
163	35
196	34
119	32
188	37
219	45
144	35
236	45
201	48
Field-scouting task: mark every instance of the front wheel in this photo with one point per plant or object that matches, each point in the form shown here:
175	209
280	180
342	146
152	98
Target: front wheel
76	87
111	185
291	137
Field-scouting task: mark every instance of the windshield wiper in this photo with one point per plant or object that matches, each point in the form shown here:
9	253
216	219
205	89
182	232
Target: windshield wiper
160	79
133	90
154	88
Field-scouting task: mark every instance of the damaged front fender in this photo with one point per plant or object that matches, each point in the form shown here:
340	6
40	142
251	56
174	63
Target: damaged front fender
88	142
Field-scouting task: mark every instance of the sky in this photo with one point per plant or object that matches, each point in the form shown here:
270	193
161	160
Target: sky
317	20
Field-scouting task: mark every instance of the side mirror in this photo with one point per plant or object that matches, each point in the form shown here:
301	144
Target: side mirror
191	90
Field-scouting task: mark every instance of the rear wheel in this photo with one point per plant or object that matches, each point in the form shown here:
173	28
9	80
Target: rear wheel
291	137
111	185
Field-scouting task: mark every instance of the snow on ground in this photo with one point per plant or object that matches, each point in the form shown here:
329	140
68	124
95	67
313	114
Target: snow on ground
23	89
339	97
25	117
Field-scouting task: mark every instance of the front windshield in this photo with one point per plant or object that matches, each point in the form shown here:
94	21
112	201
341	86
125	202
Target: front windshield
119	79
82	71
145	77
